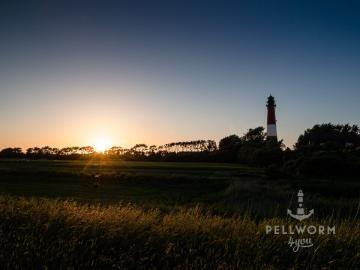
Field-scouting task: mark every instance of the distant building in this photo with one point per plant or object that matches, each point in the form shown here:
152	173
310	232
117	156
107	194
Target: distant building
271	119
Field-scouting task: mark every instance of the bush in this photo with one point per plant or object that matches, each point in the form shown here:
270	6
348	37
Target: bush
273	172
325	164
290	167
261	156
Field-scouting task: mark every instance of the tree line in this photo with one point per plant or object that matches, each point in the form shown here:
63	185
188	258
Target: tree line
324	150
198	148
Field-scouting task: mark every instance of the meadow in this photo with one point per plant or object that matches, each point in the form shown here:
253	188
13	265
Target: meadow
155	215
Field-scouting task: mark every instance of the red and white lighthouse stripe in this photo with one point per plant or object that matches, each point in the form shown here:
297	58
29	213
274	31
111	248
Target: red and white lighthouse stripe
271	119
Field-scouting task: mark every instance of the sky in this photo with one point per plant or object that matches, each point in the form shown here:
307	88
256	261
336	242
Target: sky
156	72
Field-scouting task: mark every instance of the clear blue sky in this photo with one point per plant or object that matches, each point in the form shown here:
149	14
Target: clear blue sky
160	71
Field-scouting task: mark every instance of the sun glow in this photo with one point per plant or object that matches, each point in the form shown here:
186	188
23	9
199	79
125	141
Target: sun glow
102	144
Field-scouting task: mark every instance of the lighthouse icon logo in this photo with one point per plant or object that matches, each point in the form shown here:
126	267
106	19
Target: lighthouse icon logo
300	212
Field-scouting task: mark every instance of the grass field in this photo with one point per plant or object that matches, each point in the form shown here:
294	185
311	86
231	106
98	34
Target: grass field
149	215
224	188
148	182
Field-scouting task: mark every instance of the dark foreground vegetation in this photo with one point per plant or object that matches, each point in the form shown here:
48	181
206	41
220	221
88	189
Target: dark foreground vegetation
52	234
102	211
113	214
225	189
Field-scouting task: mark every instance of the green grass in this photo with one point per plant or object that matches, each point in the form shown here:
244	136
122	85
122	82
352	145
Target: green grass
149	215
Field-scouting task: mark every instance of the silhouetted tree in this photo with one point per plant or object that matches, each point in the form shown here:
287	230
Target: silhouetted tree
15	152
115	151
139	150
329	136
252	148
229	148
255	136
86	150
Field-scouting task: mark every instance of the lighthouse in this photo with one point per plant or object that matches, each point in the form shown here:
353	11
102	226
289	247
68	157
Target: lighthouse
271	119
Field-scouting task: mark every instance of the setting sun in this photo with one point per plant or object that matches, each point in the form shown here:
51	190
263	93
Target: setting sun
102	144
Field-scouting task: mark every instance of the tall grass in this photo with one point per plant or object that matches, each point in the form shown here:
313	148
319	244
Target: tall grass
53	234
